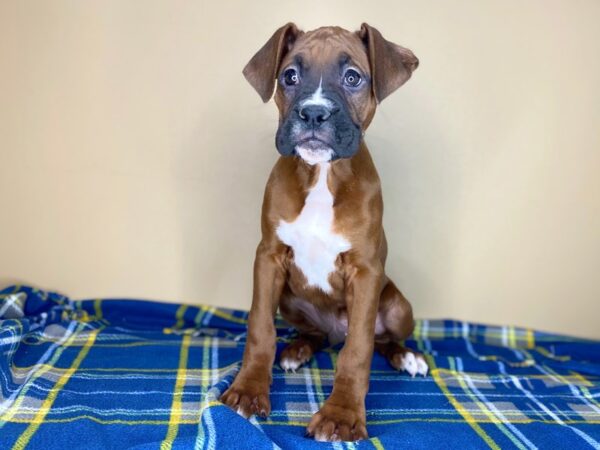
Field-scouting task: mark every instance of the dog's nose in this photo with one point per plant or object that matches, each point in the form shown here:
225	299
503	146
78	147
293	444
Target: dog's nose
314	114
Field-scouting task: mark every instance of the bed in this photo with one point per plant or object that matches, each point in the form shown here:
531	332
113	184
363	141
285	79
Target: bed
120	373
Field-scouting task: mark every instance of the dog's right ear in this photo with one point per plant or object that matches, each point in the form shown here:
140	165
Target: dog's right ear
391	64
262	69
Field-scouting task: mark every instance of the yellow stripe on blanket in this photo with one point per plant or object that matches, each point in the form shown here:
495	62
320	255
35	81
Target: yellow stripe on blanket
47	404
435	373
175	418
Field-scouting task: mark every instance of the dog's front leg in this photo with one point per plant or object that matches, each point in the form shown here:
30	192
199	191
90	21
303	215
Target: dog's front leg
342	416
249	393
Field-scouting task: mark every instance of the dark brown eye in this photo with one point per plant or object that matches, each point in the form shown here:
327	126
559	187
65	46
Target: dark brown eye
291	77
352	78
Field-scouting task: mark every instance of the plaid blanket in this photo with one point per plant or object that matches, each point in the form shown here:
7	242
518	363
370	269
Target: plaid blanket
134	374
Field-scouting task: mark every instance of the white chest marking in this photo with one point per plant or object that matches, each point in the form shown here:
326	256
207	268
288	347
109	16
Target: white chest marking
311	235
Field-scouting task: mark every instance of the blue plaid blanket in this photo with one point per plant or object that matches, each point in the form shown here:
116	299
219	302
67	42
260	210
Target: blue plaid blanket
135	374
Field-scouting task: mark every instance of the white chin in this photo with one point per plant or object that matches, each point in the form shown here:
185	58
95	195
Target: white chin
314	156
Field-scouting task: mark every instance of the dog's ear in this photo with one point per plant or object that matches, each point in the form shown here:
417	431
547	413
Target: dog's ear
262	69
391	64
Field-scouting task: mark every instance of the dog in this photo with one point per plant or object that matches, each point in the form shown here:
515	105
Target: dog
323	249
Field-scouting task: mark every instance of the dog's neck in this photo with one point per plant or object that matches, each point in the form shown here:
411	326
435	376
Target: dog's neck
341	171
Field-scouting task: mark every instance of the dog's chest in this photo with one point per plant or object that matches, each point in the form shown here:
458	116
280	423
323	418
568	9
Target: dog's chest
316	246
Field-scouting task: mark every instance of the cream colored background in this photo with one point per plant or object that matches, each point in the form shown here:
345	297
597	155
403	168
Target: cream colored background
134	154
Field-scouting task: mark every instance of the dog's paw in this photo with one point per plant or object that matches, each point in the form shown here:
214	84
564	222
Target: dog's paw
247	400
295	355
413	363
334	423
290	364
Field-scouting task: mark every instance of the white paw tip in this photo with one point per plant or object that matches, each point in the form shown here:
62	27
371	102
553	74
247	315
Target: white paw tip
288	364
414	364
409	363
321	437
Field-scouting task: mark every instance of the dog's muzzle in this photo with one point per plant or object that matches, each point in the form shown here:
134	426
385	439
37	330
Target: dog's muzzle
318	130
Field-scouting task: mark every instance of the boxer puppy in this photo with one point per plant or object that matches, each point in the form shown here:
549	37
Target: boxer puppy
323	249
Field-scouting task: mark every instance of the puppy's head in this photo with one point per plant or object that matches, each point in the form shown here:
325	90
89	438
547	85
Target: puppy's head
329	82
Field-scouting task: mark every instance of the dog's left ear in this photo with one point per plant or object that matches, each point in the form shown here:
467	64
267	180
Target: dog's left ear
262	69
391	64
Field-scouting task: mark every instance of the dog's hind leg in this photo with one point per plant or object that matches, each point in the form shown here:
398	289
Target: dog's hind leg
396	318
310	340
300	351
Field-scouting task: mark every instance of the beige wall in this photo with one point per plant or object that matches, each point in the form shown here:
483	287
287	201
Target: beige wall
134	154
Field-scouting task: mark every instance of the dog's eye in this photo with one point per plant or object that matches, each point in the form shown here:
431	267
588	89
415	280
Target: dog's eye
352	78
291	77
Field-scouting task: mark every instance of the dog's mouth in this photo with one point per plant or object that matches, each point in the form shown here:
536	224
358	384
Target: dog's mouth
314	151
